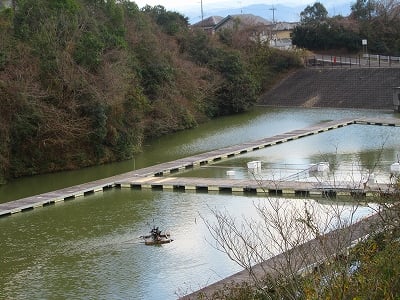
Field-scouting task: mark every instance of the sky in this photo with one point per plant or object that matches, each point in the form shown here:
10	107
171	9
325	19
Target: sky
189	5
178	5
192	8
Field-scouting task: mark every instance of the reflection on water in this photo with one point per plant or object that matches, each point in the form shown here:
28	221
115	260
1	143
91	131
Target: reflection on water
353	154
88	248
260	123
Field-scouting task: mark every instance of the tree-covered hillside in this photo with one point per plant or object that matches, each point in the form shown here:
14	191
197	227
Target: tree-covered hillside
84	82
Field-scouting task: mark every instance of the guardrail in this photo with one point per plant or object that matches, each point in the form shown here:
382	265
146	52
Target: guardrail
382	58
360	61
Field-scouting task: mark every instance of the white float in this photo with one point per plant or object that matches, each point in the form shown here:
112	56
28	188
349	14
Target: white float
323	167
319	167
395	168
230	173
371	178
255	164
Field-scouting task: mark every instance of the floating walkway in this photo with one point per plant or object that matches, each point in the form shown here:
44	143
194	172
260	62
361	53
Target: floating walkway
253	186
150	176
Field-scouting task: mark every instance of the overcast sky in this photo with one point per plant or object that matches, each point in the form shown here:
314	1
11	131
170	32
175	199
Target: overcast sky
189	5
192	8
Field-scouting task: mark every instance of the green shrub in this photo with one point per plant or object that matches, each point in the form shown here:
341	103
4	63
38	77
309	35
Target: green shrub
89	51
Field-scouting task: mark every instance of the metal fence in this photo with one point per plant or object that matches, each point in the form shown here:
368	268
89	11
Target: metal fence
360	61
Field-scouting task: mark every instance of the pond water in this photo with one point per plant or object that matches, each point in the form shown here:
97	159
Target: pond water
88	248
353	154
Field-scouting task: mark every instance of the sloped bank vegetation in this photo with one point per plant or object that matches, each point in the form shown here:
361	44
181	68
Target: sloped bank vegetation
85	82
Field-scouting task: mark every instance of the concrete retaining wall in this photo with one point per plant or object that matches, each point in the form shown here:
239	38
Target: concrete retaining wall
368	88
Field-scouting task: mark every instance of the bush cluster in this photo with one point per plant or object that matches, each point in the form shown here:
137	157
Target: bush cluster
84	82
376	21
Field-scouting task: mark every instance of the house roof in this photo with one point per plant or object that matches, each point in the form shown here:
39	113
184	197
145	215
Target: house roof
245	19
216	22
208	22
280	26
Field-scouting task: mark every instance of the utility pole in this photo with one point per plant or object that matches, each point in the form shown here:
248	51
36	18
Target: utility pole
273	37
202	13
273	14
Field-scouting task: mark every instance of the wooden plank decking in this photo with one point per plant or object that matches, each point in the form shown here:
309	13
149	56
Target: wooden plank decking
190	162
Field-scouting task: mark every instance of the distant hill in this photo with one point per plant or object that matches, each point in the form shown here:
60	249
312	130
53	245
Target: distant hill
281	13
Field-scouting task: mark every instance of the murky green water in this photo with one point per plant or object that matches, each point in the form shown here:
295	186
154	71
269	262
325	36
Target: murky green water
88	248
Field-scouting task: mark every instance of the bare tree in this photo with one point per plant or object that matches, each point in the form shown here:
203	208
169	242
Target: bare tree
297	248
283	230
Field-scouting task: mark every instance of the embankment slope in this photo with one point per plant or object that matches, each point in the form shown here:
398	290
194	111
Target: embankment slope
368	88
